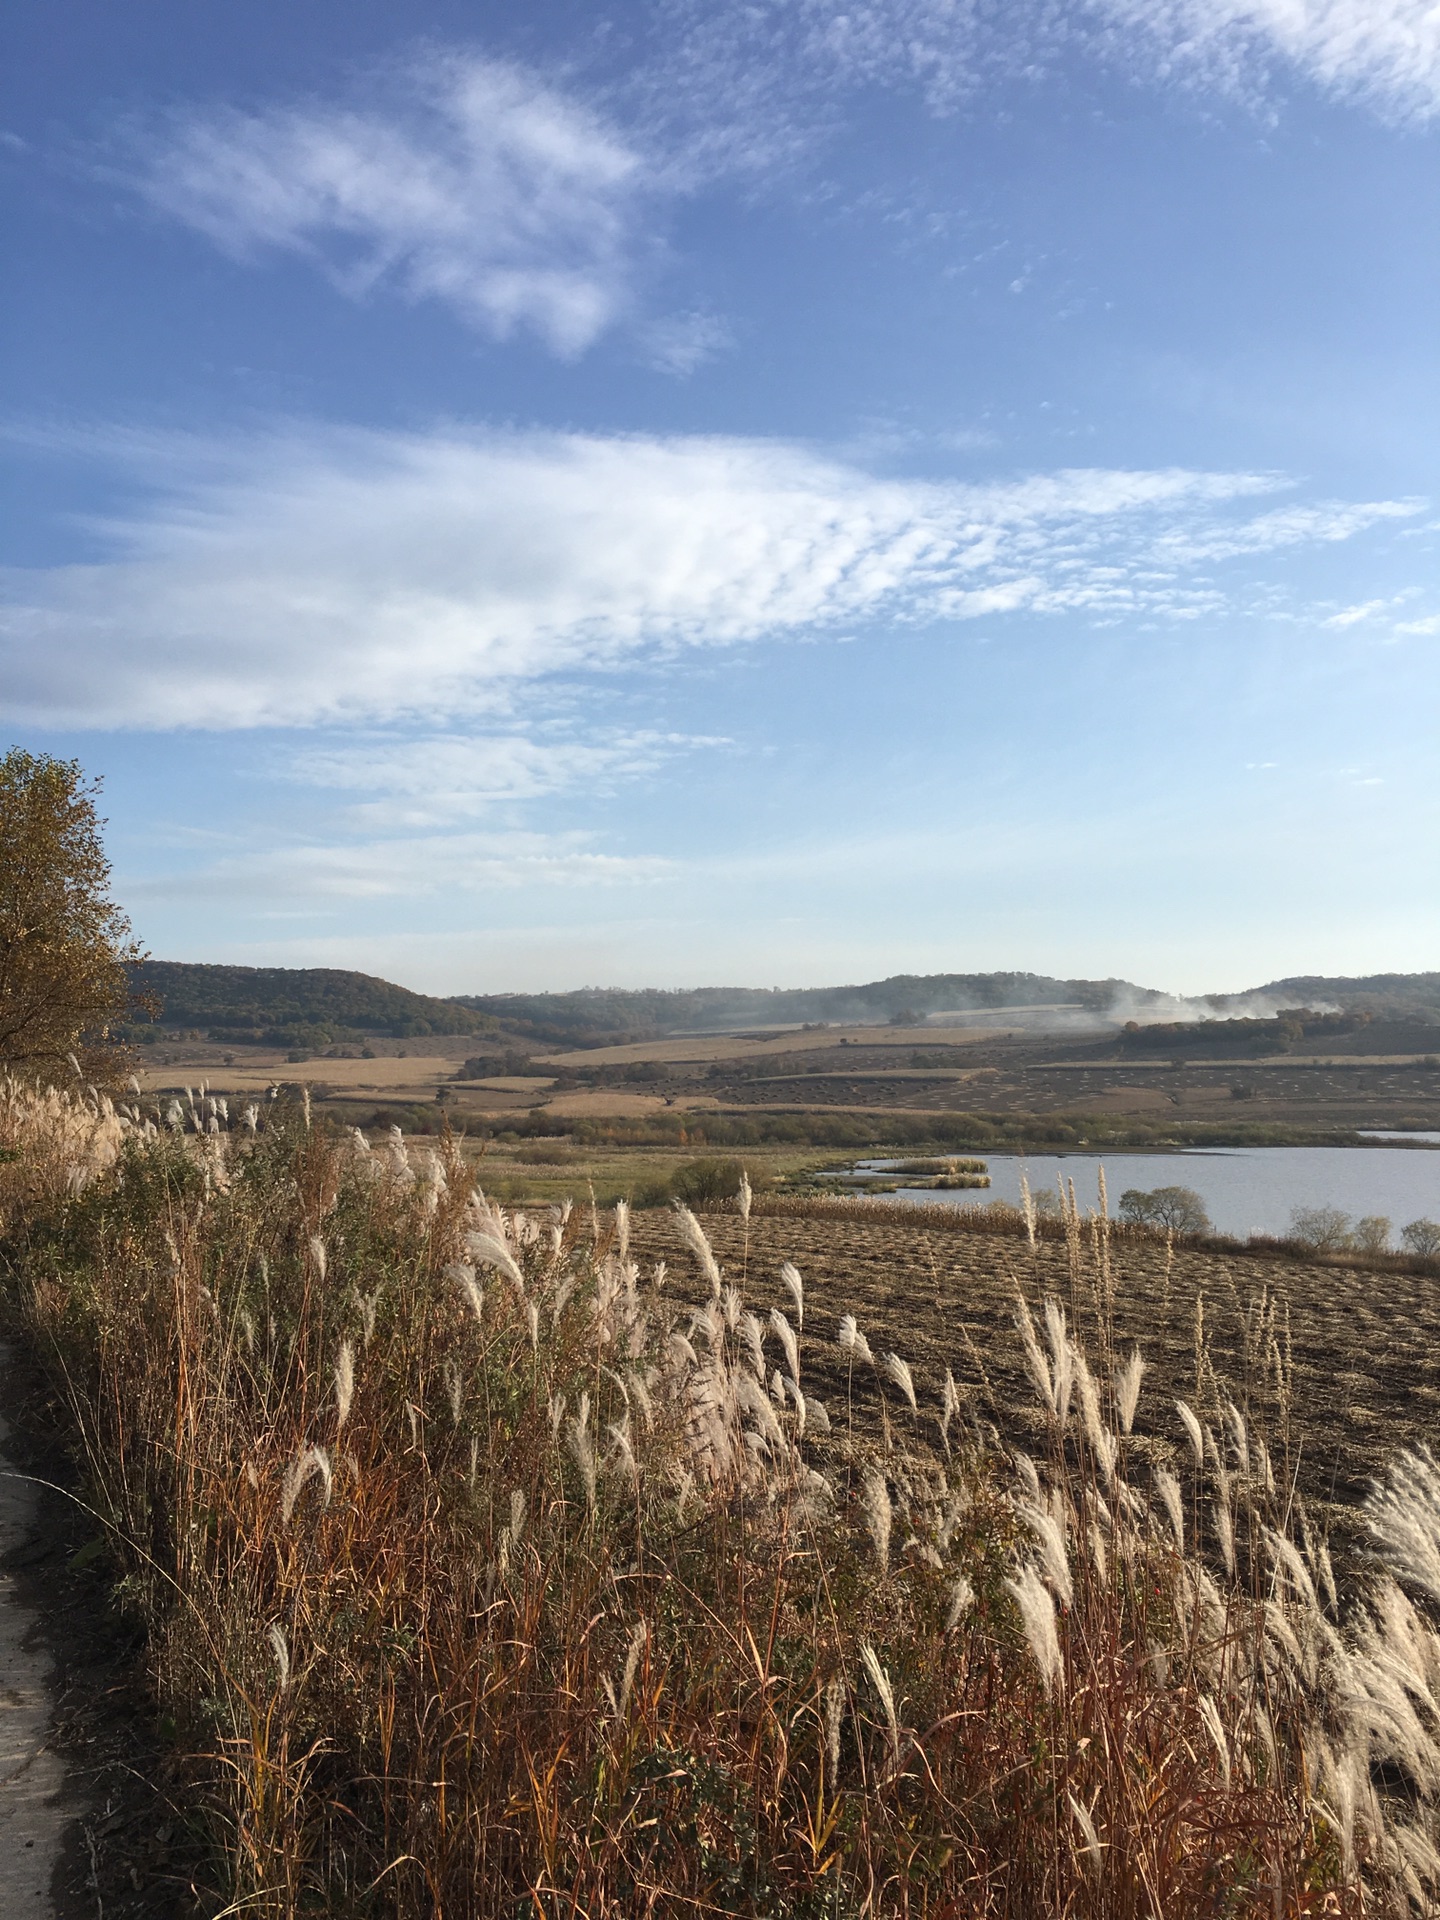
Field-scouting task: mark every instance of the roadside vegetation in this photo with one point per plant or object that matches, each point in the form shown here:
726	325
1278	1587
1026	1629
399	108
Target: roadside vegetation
485	1569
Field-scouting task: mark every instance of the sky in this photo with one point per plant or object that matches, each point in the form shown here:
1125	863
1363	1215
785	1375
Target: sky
717	492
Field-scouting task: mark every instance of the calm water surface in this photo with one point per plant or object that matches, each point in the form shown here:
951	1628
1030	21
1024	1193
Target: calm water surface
1245	1189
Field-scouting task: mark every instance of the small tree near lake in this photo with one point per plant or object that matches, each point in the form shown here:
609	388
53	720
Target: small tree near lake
1168	1209
1322	1229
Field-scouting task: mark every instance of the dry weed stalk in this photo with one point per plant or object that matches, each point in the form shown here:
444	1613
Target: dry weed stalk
555	1594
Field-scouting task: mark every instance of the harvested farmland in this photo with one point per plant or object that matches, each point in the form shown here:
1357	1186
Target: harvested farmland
1359	1350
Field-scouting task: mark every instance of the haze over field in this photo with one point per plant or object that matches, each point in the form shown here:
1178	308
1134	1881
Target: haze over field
515	499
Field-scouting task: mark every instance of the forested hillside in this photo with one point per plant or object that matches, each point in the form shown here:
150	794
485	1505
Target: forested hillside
1385	996
903	997
293	1006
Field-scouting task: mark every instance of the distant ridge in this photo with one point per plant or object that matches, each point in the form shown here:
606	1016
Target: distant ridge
295	1006
309	1006
916	996
1389	996
903	997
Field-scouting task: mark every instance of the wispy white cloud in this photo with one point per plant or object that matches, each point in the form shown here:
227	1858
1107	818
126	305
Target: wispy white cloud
1355	616
1327	522
1383	52
321	874
523	204
318	577
438	779
473	182
761	77
684	341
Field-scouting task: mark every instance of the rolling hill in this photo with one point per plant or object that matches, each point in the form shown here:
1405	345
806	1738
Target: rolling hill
294	1006
288	1006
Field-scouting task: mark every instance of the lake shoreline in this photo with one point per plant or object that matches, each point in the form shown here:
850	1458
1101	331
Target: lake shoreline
1247	1192
1000	1219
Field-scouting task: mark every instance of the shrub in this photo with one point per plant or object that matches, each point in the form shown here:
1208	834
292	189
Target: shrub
1168	1209
1372	1233
705	1183
1422	1237
409	1119
1321	1229
501	1064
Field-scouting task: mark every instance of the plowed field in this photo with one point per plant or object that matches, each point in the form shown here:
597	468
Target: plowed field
1360	1351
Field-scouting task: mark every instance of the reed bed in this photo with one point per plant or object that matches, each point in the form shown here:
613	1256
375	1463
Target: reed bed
485	1573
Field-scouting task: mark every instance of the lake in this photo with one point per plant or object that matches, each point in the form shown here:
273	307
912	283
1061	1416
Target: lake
1245	1189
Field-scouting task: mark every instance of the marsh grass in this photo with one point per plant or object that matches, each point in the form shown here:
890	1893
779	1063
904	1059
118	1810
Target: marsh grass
484	1573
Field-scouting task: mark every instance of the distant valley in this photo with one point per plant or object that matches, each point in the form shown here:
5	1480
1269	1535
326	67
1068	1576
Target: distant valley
979	1061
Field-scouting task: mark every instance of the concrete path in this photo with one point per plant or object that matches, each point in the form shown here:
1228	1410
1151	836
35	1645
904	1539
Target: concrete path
33	1814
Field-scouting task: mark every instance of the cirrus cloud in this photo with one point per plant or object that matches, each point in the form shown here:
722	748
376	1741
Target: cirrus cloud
407	867
755	71
1385	53
313	577
475	183
440	778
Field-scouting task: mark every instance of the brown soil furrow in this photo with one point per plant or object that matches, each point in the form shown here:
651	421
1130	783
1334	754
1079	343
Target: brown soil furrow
1363	1348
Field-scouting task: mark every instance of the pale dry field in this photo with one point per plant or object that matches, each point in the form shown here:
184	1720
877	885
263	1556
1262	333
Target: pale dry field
703	1048
606	1102
417	1076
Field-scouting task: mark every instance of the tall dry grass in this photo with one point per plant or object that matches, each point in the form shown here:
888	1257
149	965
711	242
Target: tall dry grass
485	1575
52	1143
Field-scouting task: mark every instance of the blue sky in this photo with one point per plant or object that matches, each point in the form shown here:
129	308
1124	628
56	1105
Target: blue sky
773	493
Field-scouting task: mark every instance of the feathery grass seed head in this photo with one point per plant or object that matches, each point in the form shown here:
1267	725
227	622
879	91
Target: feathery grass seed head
1037	1616
795	1287
344	1383
898	1371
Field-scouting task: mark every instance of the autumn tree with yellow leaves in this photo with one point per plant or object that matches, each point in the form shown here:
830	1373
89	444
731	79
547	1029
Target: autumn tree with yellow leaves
64	943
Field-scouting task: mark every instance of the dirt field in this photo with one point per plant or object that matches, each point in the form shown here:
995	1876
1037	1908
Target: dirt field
1364	1347
757	1046
415	1076
991	1072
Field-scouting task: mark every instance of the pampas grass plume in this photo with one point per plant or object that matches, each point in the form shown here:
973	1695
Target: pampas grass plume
280	1647
1037	1616
853	1341
879	1514
1194	1430
899	1372
700	1247
344	1383
880	1680
311	1460
1168	1488
780	1326
1127	1388
1087	1829
796	1288
962	1599
487	1249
